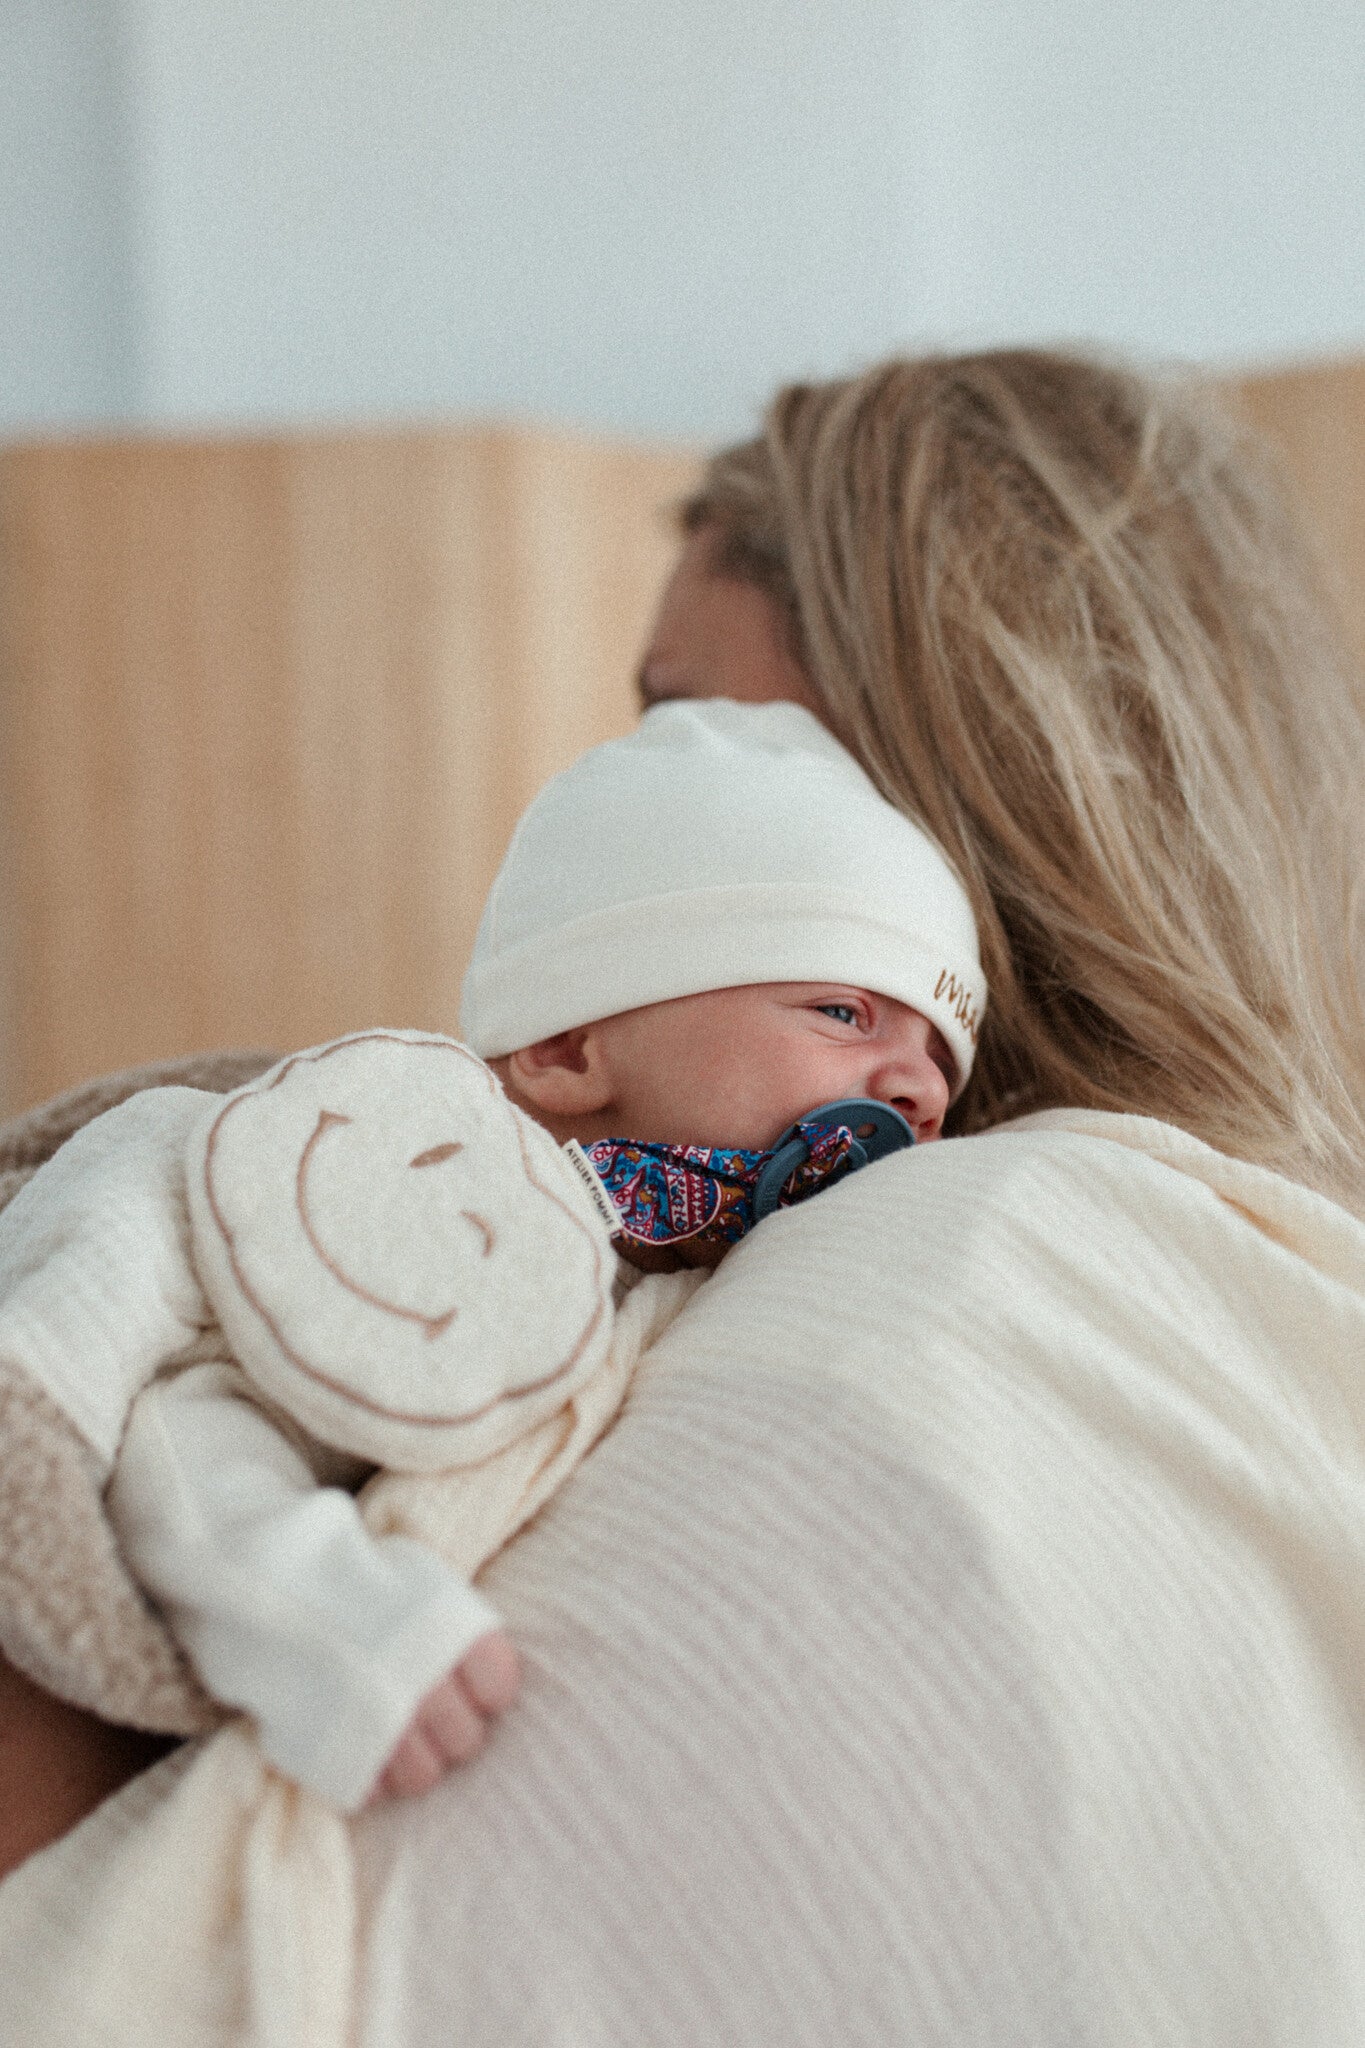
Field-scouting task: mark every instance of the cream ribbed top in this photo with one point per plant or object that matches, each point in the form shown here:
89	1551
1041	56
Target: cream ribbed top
956	1643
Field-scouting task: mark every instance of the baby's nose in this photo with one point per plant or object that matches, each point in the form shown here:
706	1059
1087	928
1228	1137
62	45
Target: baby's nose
916	1085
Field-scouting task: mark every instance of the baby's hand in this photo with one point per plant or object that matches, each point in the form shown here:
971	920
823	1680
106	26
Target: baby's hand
451	1723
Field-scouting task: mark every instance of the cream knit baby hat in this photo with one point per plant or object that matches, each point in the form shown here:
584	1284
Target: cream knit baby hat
720	844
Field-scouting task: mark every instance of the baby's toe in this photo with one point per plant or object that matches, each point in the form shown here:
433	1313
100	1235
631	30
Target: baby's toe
491	1673
415	1766
451	1721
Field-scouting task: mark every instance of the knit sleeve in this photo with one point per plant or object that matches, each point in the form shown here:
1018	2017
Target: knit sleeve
287	1607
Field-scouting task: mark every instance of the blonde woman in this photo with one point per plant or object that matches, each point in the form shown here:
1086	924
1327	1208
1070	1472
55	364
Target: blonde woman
1062	619
980	1567
958	1638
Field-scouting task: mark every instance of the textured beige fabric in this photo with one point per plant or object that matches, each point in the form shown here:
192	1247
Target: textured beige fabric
957	1644
219	1890
70	1615
957	1641
27	1140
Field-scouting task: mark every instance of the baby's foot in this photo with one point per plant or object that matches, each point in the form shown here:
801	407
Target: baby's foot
451	1723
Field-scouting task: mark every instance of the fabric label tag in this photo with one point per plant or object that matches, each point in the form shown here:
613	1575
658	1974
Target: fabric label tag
597	1193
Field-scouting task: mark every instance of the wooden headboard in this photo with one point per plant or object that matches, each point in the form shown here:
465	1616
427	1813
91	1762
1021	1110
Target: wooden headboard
270	710
271	707
1315	418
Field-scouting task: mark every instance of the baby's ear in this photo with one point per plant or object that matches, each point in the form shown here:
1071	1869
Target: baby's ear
567	1075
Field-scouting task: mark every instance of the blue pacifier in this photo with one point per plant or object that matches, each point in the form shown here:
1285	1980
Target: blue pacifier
878	1130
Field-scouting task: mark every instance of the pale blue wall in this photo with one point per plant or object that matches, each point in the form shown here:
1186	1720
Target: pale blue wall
623	213
68	283
1178	177
638	216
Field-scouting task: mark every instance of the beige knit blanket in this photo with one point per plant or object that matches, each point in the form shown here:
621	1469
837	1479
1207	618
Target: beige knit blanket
243	1878
231	1906
957	1640
88	1636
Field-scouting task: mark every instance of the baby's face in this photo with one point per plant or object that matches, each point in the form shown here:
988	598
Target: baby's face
736	1066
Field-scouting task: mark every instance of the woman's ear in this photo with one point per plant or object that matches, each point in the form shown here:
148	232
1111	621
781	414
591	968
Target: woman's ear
564	1076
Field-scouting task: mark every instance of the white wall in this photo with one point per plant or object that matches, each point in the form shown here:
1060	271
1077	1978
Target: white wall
625	214
1178	177
639	216
68	321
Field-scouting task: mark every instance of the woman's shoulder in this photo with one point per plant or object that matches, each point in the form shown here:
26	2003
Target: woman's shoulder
1292	1215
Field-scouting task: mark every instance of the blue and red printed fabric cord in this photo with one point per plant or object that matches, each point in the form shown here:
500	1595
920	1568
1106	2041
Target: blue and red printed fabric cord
664	1194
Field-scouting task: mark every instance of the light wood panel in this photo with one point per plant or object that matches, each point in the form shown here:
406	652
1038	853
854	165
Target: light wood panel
270	710
1315	418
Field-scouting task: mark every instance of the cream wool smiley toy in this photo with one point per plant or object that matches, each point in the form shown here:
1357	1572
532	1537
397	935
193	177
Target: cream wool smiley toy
365	1222
228	1315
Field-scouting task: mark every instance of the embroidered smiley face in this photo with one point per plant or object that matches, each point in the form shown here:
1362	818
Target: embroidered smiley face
397	1256
430	1321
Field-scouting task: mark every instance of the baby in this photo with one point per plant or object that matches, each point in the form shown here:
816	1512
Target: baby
699	935
703	931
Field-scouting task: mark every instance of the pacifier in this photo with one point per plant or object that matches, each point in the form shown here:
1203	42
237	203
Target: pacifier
877	1130
659	1194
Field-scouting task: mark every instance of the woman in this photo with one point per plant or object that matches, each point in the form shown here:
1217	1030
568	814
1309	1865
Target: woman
56	1765
1062	619
969	1609
958	1637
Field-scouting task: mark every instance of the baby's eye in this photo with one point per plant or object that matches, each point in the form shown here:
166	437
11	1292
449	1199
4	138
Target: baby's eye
842	1013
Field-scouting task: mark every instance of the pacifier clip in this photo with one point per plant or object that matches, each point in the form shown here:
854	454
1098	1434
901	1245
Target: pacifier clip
661	1195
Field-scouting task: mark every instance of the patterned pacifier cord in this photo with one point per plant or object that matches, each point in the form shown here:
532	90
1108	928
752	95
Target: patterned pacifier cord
711	1195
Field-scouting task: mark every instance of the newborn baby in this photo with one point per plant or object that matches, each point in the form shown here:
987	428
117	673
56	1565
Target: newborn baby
700	934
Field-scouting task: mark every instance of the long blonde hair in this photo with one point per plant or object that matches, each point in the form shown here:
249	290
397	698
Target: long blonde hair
1060	615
